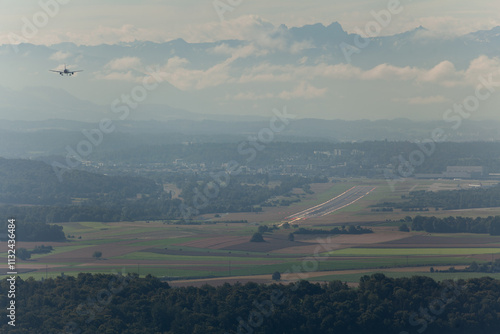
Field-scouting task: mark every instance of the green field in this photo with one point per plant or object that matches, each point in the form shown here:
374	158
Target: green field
159	248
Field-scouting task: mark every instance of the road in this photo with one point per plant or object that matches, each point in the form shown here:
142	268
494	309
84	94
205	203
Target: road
341	201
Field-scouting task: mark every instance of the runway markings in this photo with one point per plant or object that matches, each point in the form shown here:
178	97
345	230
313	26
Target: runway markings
332	205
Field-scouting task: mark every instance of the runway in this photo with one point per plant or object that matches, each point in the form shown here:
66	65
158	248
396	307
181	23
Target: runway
341	201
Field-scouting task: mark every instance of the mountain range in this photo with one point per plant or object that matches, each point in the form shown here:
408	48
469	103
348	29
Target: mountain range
301	66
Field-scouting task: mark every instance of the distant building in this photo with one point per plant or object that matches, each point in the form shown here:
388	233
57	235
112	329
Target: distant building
457	172
467	172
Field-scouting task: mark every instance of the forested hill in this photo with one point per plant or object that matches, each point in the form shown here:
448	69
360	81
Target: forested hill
131	305
35	182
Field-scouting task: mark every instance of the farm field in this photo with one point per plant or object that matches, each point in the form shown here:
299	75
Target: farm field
217	250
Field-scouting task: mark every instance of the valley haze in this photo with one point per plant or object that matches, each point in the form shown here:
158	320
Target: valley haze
237	166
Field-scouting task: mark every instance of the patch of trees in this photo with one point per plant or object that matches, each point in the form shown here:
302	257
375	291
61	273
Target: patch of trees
32	231
42	249
380	305
433	224
448	199
404	228
267	229
153	208
487	267
206	222
383	210
257	237
25	254
350	230
474	267
236	196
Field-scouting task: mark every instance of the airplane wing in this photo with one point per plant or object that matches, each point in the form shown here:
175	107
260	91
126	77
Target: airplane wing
76	71
55	71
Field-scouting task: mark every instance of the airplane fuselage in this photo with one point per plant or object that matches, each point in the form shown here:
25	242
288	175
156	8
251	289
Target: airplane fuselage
65	71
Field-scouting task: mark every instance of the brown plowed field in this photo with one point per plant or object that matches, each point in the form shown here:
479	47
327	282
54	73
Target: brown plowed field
424	241
216	242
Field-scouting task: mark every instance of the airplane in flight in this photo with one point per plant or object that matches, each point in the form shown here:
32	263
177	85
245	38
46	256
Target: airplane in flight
66	71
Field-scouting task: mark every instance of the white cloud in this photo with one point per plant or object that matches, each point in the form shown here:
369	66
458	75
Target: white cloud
304	91
125	63
390	72
222	49
59	55
481	66
248	27
298	47
177	74
250	96
128	69
444	72
117	76
309	80
419	100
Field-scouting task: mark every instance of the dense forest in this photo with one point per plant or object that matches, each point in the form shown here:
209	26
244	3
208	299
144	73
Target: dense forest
489	225
35	231
449	199
34	182
236	195
146	208
100	303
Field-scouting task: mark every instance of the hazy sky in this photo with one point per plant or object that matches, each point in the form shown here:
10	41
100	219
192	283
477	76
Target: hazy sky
314	90
110	21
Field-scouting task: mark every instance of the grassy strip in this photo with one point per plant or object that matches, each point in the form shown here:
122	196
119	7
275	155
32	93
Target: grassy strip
164	242
206	259
411	251
59	250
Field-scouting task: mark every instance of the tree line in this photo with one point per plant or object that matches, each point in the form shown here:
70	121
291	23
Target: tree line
450	224
448	199
350	230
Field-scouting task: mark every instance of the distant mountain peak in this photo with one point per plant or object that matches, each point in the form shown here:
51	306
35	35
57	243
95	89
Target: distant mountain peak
335	26
319	34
